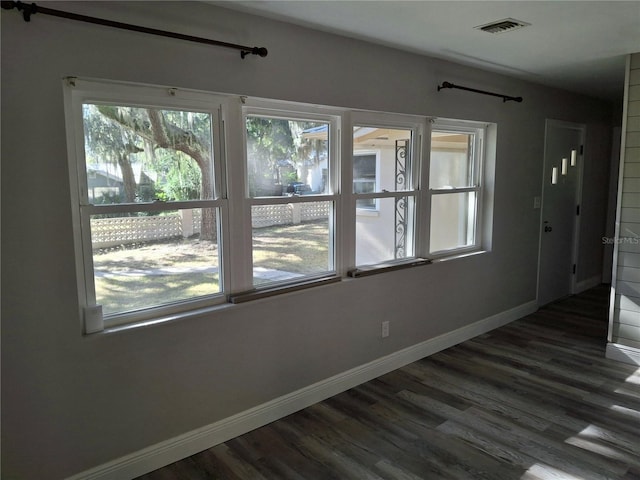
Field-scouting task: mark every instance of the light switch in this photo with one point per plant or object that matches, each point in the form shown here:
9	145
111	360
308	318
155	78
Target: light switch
537	202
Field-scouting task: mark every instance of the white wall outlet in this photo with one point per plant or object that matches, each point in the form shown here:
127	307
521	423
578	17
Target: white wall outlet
385	329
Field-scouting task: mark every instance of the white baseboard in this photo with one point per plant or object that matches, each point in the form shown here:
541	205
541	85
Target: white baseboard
177	448
588	283
623	353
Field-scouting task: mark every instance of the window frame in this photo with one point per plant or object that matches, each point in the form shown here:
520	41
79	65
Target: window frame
78	92
296	112
478	174
231	196
415	236
375	209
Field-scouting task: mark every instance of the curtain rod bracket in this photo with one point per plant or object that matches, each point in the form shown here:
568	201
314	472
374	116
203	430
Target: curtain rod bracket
29	9
505	98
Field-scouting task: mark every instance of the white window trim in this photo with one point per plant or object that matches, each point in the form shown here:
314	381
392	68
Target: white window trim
418	126
479	173
290	111
376	209
232	196
80	91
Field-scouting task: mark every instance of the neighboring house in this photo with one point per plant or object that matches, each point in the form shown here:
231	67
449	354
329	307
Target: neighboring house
378	166
106	183
381	157
375	169
103	184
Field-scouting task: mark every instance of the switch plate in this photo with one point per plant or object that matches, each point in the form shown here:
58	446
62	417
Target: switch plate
537	202
385	329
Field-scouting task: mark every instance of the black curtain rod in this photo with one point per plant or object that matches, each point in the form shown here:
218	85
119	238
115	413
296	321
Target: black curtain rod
29	9
505	98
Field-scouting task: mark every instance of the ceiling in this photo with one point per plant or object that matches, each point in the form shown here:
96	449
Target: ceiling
573	45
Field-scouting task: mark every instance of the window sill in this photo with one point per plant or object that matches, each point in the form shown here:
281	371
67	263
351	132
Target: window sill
251	295
257	294
387	267
457	255
234	299
162	319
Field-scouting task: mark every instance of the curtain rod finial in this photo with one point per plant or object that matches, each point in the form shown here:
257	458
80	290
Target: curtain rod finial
261	51
8	5
27	9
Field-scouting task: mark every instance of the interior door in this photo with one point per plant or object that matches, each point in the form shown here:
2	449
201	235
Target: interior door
560	210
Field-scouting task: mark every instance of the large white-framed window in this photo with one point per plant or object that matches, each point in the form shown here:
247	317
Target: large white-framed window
290	177
149	199
386	152
184	200
456	165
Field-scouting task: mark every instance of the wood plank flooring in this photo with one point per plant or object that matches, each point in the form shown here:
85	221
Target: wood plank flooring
533	400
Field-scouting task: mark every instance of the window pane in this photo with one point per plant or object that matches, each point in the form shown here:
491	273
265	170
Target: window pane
291	241
364	178
138	154
451	164
453	220
381	158
386	234
144	260
286	157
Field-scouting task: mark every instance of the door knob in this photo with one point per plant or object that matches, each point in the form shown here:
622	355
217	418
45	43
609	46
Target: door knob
547	228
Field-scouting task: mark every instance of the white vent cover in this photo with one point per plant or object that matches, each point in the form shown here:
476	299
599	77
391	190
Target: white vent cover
502	26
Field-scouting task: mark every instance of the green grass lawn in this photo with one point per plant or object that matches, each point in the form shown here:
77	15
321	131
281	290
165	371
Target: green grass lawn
299	248
137	276
123	293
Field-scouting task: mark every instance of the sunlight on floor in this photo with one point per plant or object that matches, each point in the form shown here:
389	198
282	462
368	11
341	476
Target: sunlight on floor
541	471
625	411
634	377
597	440
594	446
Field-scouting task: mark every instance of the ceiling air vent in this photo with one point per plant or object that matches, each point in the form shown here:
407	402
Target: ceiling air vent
502	26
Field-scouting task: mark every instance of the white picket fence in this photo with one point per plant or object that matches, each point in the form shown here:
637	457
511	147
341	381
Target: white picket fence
110	232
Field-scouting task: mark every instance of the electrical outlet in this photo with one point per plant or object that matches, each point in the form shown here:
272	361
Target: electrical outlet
385	329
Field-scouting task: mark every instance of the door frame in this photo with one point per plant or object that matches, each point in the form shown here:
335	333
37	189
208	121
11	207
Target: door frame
546	176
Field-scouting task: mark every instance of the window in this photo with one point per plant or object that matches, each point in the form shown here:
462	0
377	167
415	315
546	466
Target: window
365	174
290	168
149	198
455	187
162	180
385	183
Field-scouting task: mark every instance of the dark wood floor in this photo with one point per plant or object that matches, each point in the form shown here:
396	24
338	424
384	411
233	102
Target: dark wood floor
535	399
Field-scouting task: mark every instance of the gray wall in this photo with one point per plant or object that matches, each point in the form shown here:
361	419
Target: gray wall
70	402
625	322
